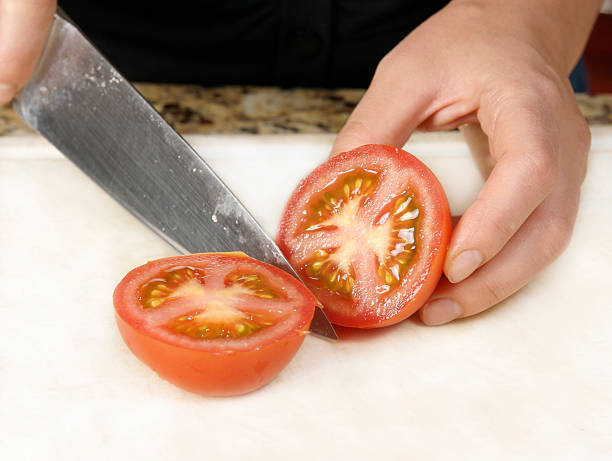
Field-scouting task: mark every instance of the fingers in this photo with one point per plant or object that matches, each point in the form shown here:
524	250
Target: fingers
522	140
24	25
389	111
539	241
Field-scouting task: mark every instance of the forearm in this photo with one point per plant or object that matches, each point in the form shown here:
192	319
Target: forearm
558	29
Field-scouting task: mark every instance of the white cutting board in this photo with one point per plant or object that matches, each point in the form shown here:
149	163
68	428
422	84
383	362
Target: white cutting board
531	379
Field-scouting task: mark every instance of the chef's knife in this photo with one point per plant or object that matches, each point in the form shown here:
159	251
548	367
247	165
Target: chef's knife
83	106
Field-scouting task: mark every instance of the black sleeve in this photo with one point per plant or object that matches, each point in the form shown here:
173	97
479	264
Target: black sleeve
325	43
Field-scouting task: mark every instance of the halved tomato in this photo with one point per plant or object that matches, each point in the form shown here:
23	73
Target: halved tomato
215	324
368	232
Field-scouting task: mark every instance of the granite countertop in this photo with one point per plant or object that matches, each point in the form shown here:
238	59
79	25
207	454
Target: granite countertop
193	109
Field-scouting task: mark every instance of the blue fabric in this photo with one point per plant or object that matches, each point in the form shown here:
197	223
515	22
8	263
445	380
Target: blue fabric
578	78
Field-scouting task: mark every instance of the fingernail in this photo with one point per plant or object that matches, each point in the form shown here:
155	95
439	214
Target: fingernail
463	265
440	311
7	91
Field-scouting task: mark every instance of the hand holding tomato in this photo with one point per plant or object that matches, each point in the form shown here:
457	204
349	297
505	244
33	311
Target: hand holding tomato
367	231
504	65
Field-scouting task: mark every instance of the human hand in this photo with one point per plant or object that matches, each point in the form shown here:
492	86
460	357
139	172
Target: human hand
24	25
505	66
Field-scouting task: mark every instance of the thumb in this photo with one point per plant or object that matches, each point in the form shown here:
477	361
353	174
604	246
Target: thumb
388	113
23	29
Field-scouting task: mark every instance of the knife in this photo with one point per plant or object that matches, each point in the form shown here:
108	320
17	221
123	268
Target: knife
96	118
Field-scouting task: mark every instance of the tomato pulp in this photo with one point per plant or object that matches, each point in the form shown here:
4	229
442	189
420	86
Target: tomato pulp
214	324
368	232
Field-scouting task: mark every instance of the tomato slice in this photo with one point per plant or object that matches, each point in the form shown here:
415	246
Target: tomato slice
368	232
215	324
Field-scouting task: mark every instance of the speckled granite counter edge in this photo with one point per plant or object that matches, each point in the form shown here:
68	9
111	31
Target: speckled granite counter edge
194	109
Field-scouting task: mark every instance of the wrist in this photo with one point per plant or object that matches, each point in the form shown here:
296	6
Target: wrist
557	29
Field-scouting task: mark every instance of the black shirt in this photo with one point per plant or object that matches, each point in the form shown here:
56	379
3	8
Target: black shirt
324	43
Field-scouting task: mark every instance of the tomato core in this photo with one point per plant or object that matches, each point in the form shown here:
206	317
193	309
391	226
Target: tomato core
391	237
213	323
368	232
215	315
335	204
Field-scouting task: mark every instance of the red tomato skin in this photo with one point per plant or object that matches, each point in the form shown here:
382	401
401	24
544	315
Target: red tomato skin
213	374
437	202
208	372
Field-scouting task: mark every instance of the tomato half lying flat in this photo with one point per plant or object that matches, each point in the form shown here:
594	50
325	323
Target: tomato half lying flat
215	324
368	232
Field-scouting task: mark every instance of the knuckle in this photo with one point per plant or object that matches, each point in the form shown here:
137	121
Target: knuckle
543	166
544	87
503	229
583	135
491	293
547	88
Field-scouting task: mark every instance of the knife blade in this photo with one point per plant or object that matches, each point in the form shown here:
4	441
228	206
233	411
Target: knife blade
95	117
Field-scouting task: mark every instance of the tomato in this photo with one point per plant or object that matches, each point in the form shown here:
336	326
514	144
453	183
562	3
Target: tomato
368	232
214	324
